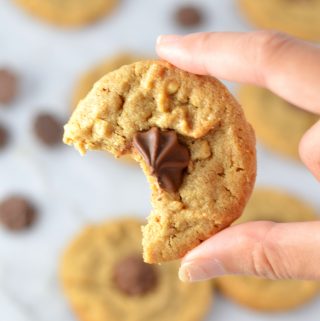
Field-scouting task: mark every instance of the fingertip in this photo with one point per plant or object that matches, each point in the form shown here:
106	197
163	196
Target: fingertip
309	149
167	39
201	270
166	46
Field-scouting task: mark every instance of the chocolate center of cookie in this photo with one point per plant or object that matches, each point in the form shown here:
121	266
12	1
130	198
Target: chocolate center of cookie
165	155
134	277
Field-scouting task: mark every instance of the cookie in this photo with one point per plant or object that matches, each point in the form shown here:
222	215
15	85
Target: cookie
88	79
191	139
263	294
104	278
68	13
279	125
299	18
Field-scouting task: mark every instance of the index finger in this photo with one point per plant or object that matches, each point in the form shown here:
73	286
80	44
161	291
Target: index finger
287	66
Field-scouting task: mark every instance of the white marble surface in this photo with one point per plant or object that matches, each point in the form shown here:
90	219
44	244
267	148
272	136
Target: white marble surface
71	191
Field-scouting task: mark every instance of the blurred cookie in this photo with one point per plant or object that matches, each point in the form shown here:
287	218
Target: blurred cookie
278	124
299	18
105	278
263	294
68	12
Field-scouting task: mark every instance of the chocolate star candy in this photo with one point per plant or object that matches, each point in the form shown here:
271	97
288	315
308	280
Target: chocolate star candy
165	155
133	277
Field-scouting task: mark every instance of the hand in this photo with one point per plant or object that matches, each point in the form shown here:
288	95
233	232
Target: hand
291	69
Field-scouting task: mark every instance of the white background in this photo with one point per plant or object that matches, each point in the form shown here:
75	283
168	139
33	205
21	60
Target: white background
71	191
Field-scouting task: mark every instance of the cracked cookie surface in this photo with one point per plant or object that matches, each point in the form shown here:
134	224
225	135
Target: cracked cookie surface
68	12
104	278
271	295
206	119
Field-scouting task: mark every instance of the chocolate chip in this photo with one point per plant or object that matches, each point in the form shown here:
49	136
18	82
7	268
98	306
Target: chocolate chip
48	129
16	213
8	86
133	277
165	155
3	136
189	16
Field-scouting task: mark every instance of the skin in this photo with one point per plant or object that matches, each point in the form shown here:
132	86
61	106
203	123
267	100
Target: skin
291	69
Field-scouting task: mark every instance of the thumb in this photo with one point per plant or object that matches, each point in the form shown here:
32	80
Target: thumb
265	249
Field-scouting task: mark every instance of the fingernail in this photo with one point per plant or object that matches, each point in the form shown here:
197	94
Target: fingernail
167	39
200	271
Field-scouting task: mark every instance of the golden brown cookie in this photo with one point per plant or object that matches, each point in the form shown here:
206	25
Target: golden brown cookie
68	13
104	278
278	124
263	294
191	139
88	79
299	18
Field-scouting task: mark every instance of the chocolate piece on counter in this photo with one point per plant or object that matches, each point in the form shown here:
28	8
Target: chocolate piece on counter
4	136
134	277
48	129
8	86
16	213
165	155
189	16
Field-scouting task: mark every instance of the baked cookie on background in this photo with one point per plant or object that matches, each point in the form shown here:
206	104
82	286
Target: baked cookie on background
68	13
191	138
299	18
278	124
263	294
88	79
104	278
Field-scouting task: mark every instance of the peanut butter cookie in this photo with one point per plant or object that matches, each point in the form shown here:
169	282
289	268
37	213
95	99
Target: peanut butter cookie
263	294
299	18
105	278
68	13
278	124
191	139
88	79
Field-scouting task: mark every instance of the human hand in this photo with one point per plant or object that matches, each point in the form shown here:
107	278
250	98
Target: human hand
291	69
